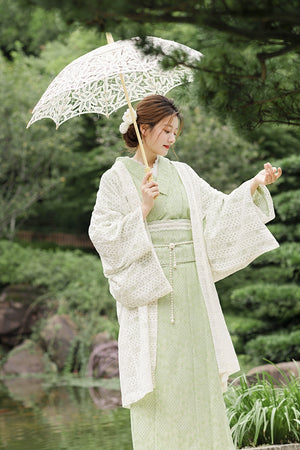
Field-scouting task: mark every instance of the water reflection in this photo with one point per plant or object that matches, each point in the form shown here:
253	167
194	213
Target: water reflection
36	417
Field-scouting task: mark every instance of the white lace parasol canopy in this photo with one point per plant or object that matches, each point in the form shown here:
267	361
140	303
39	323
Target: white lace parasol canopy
91	83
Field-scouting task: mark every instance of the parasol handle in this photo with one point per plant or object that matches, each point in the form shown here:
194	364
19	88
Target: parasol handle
110	40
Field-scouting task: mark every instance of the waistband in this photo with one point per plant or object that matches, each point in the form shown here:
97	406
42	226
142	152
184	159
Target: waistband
169	225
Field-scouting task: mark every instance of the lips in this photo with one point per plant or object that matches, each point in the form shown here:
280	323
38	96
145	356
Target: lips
167	147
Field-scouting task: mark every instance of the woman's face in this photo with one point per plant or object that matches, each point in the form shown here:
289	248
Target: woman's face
158	140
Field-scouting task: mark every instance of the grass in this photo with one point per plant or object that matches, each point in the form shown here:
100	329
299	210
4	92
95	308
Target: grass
263	413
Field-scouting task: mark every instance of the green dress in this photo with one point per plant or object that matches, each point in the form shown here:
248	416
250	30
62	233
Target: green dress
186	410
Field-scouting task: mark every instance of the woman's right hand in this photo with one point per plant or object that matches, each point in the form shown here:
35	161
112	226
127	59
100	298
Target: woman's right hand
149	193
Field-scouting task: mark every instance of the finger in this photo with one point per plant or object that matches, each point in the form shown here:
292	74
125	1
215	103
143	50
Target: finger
152	189
154	194
147	188
146	177
272	173
152	184
279	173
269	168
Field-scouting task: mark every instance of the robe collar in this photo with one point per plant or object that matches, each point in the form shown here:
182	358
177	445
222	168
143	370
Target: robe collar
164	173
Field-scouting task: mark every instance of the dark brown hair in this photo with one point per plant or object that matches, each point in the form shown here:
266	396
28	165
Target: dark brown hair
150	111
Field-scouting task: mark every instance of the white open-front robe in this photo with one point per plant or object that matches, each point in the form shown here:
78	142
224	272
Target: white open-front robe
228	233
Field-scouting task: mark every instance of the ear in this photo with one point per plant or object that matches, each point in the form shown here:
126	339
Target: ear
144	129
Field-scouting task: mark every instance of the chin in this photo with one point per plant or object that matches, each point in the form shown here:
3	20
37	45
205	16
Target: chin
164	152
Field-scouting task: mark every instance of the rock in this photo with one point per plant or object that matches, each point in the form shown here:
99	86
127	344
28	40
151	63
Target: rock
100	338
57	337
289	369
103	361
18	313
27	358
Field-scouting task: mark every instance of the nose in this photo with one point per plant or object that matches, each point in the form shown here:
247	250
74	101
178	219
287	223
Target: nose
172	138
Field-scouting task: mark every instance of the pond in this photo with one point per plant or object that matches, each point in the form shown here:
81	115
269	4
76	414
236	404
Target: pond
37	414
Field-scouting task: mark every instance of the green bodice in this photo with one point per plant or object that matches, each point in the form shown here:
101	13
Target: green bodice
172	202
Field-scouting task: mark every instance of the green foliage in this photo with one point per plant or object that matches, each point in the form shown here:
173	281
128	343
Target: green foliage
29	27
220	155
288	205
71	283
279	306
49	179
242	329
262	414
32	162
287	255
286	232
72	279
274	347
264	299
250	69
291	163
41	163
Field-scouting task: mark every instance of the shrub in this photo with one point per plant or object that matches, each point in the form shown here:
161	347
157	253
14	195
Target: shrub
288	205
274	347
243	328
285	232
276	304
71	279
72	283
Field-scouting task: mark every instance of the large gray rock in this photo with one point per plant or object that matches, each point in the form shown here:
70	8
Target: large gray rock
57	337
103	361
280	372
27	358
18	313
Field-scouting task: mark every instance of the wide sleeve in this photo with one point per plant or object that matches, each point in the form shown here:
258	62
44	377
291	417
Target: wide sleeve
119	235
234	226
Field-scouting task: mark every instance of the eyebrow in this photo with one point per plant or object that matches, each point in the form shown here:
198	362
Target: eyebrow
169	126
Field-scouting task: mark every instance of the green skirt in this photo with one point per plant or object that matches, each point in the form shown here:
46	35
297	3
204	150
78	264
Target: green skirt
186	410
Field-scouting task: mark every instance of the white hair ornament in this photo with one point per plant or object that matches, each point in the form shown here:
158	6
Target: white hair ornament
127	120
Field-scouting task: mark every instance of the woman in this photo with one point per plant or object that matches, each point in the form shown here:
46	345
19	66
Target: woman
163	244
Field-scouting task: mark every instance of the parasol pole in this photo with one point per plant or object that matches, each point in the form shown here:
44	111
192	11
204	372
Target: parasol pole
110	40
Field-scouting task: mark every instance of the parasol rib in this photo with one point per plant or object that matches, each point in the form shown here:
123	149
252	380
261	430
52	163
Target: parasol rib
110	40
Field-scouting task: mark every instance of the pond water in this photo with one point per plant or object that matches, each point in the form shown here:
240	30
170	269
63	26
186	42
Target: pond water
36	415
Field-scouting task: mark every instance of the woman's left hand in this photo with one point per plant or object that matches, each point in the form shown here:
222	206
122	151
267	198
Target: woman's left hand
266	176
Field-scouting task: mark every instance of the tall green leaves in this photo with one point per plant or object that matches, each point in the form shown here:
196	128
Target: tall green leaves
263	413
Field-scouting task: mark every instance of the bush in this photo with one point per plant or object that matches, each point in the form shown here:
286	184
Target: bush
274	347
71	283
72	279
288	205
243	328
285	232
12	257
279	305
287	255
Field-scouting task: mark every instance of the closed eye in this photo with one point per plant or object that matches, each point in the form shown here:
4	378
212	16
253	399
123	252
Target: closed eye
168	131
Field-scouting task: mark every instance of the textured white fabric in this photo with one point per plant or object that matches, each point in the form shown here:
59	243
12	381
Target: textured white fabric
228	233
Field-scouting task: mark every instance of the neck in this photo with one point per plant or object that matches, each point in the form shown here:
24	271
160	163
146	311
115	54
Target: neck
150	159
